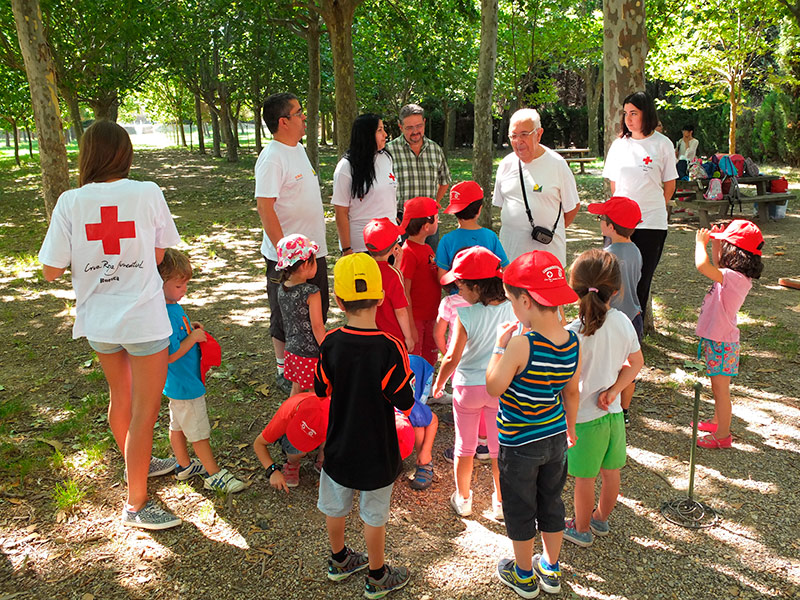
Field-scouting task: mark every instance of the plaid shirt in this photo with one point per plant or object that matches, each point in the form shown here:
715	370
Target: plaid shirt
418	175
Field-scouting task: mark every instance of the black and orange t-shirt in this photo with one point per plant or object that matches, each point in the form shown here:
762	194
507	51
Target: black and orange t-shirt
366	373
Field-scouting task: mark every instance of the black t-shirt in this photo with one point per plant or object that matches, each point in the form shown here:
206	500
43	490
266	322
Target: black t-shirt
365	372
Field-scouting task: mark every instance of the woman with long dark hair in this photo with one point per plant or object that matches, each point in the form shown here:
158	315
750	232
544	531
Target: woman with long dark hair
364	186
641	166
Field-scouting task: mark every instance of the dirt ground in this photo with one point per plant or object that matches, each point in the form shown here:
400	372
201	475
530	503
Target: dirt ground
264	543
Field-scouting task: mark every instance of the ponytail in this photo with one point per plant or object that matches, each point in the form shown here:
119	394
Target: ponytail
595	276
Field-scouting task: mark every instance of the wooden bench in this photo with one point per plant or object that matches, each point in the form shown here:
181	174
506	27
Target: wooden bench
580	160
720	208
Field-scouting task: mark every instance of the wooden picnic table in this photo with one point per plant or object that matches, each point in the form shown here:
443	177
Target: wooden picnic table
576	155
689	194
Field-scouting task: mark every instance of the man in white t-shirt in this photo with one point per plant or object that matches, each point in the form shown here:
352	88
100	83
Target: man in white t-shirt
289	201
550	190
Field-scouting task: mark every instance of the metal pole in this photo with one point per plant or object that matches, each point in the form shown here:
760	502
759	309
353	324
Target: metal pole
695	416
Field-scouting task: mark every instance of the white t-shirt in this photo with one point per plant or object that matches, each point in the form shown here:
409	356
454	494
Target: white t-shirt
602	356
285	173
684	152
108	233
639	169
380	201
548	182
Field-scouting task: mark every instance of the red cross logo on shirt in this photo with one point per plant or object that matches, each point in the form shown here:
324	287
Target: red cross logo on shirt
391	176
110	230
647	160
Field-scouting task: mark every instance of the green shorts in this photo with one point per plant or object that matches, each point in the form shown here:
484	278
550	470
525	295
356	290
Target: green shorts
600	445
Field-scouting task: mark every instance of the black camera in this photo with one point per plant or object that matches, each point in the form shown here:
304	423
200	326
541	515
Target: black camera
542	235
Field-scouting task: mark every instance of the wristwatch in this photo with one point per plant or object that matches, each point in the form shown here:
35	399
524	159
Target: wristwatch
346	249
271	469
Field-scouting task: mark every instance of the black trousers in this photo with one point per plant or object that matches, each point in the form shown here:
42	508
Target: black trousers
651	244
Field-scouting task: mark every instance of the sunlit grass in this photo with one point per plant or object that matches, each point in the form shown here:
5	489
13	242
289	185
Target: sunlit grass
68	494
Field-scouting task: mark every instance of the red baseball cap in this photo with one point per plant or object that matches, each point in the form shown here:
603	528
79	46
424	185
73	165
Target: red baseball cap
541	274
742	234
623	211
308	426
418	207
462	195
210	355
381	233
476	262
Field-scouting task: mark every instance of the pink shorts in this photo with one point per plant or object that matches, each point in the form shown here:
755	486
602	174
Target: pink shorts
299	370
469	403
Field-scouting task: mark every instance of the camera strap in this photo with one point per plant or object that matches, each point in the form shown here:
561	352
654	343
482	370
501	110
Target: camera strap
525	199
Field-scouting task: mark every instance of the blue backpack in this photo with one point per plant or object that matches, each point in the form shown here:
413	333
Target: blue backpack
727	167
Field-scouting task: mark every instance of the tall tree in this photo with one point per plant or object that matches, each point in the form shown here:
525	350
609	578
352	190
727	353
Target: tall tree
15	102
44	98
482	146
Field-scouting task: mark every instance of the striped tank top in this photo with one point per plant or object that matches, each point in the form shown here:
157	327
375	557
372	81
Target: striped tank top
531	408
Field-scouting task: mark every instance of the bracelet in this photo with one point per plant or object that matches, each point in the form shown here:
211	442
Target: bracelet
271	469
499	350
346	249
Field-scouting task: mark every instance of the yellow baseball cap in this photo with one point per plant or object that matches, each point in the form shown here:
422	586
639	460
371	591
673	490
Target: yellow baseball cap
357	277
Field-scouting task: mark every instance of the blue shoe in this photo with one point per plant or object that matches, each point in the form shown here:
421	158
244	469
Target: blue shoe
449	454
195	468
507	572
549	579
584	539
600	528
482	452
423	477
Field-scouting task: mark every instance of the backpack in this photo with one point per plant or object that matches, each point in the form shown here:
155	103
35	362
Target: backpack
696	170
714	191
738	162
750	168
727	167
683	169
779	186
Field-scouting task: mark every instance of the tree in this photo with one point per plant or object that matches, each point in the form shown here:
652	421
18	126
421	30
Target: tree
482	143
15	102
42	80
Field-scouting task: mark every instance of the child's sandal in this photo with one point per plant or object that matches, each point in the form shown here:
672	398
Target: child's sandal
423	477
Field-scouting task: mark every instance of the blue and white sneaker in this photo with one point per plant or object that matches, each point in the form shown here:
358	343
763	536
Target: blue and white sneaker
195	468
223	481
549	577
584	539
507	572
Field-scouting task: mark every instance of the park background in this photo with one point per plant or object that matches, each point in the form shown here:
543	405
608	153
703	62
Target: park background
160	68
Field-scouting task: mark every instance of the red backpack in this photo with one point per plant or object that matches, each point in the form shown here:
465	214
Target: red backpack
738	162
779	186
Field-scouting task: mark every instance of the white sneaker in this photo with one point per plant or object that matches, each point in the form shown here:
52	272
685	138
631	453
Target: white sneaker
223	481
497	508
463	507
445	398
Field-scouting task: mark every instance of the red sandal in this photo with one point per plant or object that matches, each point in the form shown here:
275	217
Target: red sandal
712	441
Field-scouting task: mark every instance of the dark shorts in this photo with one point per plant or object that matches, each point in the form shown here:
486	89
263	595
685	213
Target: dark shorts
532	477
273	283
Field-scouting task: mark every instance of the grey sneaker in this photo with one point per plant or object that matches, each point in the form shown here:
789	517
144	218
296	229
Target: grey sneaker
352	563
158	466
549	579
223	481
600	528
584	539
195	468
150	516
393	579
526	588
283	384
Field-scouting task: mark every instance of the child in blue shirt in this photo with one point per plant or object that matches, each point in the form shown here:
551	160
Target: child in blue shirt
188	419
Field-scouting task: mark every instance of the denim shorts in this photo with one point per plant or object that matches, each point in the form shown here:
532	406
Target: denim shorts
337	501
532	477
138	349
287	447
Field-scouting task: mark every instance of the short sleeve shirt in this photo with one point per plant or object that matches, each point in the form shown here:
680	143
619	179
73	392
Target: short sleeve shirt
630	264
418	265
458	239
183	375
293	301
548	182
418	175
394	298
107	234
276	428
285	173
718	314
480	322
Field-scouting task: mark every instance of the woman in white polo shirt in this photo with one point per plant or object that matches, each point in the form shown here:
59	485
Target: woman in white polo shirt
364	185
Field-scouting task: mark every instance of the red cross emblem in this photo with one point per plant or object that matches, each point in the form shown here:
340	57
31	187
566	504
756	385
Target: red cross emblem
391	176
110	230
647	160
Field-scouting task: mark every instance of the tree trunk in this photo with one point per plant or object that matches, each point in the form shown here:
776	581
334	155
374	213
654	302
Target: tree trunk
15	131
215	136
624	51
106	108
257	124
314	85
594	90
183	133
338	15
74	111
231	152
198	115
323	130
482	146
30	141
734	112
449	126
44	99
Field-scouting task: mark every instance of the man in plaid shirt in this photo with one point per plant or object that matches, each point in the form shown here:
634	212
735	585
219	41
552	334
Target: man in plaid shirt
419	163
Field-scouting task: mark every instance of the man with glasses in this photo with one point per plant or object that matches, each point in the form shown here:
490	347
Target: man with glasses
289	201
419	163
549	192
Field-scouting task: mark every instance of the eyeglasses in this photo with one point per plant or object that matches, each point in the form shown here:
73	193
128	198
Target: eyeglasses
419	127
299	113
522	135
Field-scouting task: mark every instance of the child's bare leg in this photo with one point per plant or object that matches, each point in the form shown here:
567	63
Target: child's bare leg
295	458
375	538
177	439
425	447
335	526
496	478
584	502
523	554
609	491
462	465
721	388
551	545
626	397
202	448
